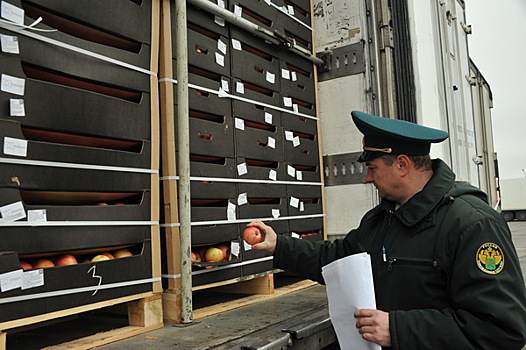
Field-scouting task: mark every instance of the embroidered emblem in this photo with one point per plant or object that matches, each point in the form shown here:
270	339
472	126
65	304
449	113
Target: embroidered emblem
490	258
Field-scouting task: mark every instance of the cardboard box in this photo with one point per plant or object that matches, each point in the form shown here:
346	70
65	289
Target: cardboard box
298	80
65	66
69	148
263	208
258	169
256	113
205	19
309	173
255	93
61	284
306	153
207	50
125	18
213	233
259	141
209	189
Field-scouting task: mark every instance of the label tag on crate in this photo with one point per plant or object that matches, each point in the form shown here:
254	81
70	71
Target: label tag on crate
16	107
289	135
294	202
299	175
235	248
12	212
224	85
11	12
291	170
287	101
236	44
276	213
296	141
220	59
9	44
285	73
273	174
221	46
37	215
238	11
15	147
268	118
12	84
246	246
242	199
231	212
220	21
271	142
242	169
271	77
240	123
240	87
294	235
11	280
32	279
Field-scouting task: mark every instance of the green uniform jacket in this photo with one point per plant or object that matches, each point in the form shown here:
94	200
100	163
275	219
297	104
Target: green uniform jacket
451	278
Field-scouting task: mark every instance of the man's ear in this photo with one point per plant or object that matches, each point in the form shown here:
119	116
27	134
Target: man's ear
403	163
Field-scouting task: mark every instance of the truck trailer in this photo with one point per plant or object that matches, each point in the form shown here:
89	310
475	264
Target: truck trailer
513	199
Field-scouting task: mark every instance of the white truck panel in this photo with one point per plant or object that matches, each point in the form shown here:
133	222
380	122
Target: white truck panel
513	192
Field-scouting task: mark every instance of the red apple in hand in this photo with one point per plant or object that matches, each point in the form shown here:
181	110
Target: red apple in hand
43	263
66	259
252	235
214	254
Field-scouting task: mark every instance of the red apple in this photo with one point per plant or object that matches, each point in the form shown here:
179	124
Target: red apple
100	257
226	251
122	253
42	263
25	265
102	203
66	259
214	254
195	257
202	253
109	255
252	235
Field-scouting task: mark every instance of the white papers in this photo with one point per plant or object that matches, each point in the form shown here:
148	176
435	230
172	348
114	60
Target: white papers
350	287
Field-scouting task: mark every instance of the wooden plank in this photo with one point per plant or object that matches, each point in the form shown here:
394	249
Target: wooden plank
3	339
146	312
260	286
218	308
103	338
67	312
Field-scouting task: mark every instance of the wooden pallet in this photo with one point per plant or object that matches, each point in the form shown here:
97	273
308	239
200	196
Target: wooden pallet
144	315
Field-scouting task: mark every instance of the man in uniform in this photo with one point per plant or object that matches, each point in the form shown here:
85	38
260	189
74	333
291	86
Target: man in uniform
445	270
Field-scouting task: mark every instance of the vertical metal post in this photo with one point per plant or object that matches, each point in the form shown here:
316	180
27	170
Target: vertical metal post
183	159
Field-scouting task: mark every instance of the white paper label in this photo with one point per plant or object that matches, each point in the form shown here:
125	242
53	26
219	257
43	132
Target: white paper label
9	44
32	278
220	59
293	76
238	10
291	171
271	142
220	21
12	84
285	73
295	108
246	246
289	135
14	211
294	235
12	13
225	85
221	46
294	202
290	10
239	123
302	206
240	87
242	169
221	3
287	101
15	147
268	118
242	199
273	174
299	175
296	141
235	248
276	213
236	44
231	212
271	77
37	215
16	107
11	280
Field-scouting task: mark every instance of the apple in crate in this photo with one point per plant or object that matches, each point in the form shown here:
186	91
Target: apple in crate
226	251
252	235
109	255
122	253
66	259
195	257
25	265
42	263
100	257
214	254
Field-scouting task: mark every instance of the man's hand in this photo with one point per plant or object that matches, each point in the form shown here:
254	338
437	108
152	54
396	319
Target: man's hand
373	325
269	236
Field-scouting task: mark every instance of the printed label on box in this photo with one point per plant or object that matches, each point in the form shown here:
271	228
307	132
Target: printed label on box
224	85
221	46
12	13
294	202
221	3
291	171
12	212
289	135
12	84
238	10
246	246
285	73
273	174
276	213
296	141
268	118
235	248
293	76
302	206
37	215
15	147
231	212
11	280
239	123
9	44
220	21
236	44
242	169
299	175
294	235
271	77
220	59
16	107
295	108
271	142
287	101
32	279
240	87
242	199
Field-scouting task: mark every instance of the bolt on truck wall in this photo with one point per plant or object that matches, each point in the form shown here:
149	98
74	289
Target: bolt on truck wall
404	59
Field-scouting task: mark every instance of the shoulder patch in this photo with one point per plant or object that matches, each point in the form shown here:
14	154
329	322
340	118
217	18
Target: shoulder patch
490	258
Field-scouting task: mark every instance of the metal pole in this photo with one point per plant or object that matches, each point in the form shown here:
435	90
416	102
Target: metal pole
258	31
183	160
